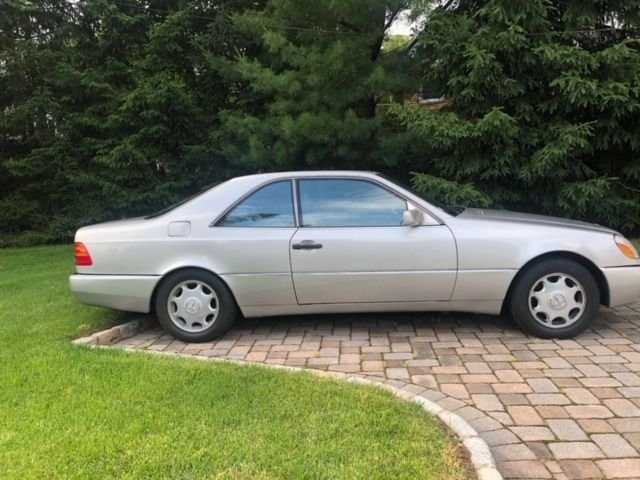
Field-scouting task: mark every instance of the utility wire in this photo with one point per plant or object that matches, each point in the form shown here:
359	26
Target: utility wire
342	32
586	30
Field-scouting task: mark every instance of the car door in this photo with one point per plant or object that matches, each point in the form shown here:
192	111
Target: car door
351	247
251	245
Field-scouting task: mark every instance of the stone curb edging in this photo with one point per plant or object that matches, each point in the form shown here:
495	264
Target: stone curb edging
479	452
115	334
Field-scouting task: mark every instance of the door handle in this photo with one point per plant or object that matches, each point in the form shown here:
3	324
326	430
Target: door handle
306	245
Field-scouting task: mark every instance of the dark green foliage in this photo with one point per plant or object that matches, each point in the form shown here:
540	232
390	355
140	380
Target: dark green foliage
545	107
114	108
316	85
29	58
108	109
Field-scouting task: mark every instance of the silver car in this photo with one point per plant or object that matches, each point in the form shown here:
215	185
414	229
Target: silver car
325	242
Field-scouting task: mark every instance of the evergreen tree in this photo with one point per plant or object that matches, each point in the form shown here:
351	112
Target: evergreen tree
316	87
108	109
544	107
32	38
162	144
113	108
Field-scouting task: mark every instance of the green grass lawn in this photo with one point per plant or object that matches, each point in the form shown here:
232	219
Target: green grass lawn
74	412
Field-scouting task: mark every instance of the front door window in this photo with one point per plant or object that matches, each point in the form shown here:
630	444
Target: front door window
348	203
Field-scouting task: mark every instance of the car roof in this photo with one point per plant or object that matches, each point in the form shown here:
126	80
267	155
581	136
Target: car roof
229	192
312	173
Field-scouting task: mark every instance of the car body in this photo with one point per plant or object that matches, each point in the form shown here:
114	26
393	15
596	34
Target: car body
346	245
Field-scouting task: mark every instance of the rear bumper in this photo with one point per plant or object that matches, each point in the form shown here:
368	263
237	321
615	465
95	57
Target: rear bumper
624	285
120	292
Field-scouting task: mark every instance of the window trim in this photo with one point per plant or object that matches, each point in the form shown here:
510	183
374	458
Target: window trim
407	201
296	200
219	218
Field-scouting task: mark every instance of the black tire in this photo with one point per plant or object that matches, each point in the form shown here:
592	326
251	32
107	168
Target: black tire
520	300
227	310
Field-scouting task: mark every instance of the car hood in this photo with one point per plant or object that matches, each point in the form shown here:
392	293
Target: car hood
529	219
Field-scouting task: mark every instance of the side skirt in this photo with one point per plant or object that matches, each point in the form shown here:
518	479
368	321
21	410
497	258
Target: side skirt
491	307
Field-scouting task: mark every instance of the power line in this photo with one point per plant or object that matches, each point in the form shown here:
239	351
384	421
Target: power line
203	17
342	32
586	30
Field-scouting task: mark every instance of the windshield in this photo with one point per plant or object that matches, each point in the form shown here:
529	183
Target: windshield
182	202
452	210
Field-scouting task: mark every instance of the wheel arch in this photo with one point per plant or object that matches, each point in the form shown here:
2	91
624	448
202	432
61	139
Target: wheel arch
599	277
154	294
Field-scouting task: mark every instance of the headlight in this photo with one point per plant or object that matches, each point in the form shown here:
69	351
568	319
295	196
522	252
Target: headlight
626	247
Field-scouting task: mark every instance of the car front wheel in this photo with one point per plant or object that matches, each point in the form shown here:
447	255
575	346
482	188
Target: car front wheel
195	306
556	298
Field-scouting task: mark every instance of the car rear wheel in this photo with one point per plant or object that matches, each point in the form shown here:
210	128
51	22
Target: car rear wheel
555	298
195	306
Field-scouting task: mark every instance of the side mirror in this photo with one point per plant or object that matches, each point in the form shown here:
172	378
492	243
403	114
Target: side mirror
412	217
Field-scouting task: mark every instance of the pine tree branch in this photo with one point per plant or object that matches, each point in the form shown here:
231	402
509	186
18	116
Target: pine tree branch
627	187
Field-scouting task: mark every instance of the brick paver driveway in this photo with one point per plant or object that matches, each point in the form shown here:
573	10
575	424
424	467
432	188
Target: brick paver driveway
548	409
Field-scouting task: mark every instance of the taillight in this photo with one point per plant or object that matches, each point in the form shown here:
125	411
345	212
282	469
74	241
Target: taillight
83	259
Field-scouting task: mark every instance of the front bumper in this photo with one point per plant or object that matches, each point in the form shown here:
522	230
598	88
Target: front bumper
131	293
624	284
